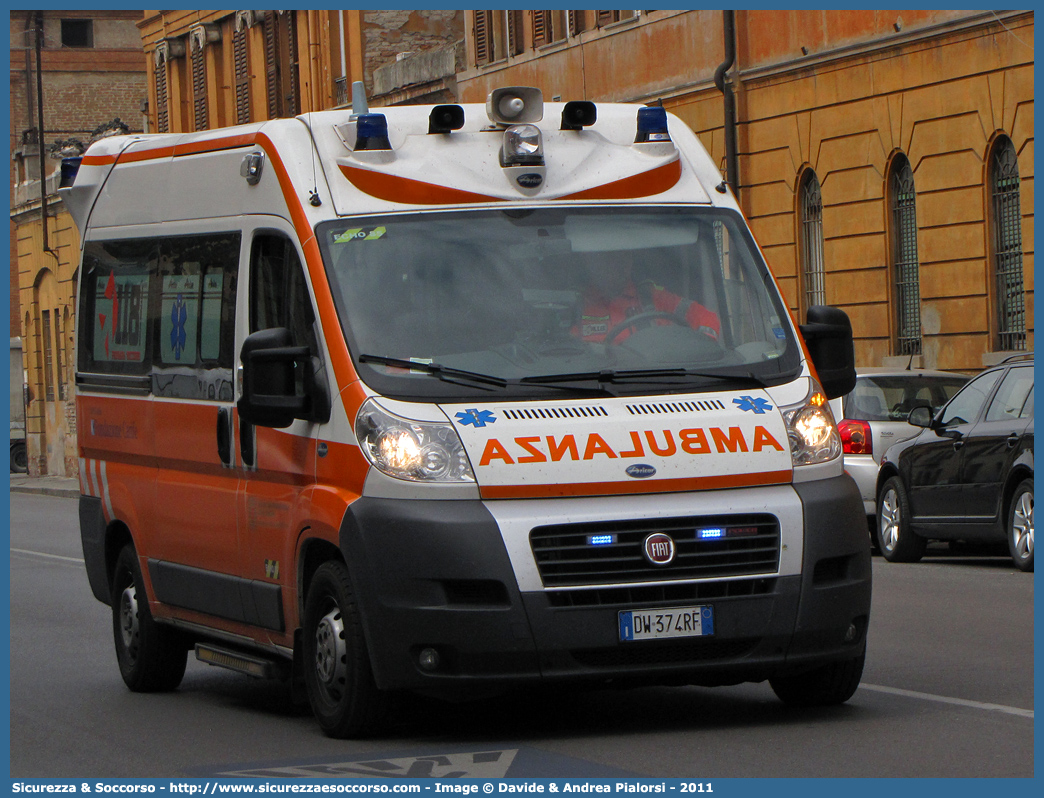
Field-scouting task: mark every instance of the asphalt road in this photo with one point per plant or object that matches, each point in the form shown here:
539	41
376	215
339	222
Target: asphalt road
947	692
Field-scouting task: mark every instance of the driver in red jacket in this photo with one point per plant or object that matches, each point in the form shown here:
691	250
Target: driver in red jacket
611	296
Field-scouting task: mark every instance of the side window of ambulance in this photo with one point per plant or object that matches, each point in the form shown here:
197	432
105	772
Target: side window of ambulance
278	293
118	279
161	311
195	317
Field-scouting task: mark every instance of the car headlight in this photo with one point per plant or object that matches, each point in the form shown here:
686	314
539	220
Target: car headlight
811	429
420	451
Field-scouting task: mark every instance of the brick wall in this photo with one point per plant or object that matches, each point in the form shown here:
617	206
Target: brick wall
388	33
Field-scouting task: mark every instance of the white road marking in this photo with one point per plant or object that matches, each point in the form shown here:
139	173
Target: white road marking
941	699
480	765
48	556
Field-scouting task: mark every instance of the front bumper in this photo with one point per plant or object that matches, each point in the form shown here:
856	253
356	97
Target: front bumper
439	574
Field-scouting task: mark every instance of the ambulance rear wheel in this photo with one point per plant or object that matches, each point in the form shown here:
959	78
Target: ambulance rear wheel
338	676
152	657
827	685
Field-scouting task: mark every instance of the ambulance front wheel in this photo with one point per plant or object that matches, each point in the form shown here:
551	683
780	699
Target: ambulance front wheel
338	677
152	657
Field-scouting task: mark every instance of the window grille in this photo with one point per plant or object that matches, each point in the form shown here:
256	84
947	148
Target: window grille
904	259
812	241
58	354
45	326
1007	248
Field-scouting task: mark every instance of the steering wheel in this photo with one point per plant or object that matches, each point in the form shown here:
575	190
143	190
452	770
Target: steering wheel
638	318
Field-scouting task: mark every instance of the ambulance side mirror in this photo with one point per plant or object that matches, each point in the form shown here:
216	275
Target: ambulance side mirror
270	365
828	337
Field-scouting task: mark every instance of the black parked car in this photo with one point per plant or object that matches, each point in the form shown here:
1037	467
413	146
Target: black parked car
968	475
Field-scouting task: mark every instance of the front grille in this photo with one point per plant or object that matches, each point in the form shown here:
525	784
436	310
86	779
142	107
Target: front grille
660	595
566	557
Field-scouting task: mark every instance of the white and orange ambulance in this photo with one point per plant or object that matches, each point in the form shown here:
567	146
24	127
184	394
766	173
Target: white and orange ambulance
453	398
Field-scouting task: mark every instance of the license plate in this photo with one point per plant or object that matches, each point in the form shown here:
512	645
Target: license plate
666	623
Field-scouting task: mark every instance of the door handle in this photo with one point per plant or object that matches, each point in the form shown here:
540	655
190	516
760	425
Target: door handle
957	445
1012	440
224	435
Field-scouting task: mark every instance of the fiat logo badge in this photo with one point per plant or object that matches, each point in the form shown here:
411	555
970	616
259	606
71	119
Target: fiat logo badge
658	548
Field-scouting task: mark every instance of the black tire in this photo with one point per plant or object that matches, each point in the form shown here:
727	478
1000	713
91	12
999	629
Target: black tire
895	539
152	657
19	458
1019	526
338	676
827	685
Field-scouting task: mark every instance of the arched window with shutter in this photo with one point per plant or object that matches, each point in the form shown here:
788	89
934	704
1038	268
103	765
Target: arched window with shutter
905	267
810	210
1009	293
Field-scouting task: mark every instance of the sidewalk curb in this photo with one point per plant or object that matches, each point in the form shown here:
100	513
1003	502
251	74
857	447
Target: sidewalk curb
47	490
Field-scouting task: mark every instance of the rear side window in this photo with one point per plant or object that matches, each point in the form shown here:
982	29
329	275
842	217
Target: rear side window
161	310
967	405
1014	398
892	397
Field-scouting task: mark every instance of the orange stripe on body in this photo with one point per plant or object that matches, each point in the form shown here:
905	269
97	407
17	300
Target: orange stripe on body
634	486
394	188
97	160
403	189
655	181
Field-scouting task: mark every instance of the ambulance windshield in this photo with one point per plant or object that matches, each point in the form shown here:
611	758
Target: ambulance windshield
526	301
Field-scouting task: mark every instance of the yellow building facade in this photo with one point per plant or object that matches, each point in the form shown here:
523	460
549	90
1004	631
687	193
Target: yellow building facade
885	158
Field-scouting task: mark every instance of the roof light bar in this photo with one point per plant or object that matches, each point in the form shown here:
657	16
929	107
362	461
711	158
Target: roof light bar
652	125
371	132
70	167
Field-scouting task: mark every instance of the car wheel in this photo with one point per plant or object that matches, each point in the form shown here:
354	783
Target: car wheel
826	685
338	677
19	458
896	540
152	657
1020	526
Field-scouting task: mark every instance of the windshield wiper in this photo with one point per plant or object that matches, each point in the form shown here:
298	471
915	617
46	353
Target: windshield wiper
462	377
444	373
658	376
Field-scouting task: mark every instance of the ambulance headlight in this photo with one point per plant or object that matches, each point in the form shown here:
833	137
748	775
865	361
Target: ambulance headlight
420	451
811	429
